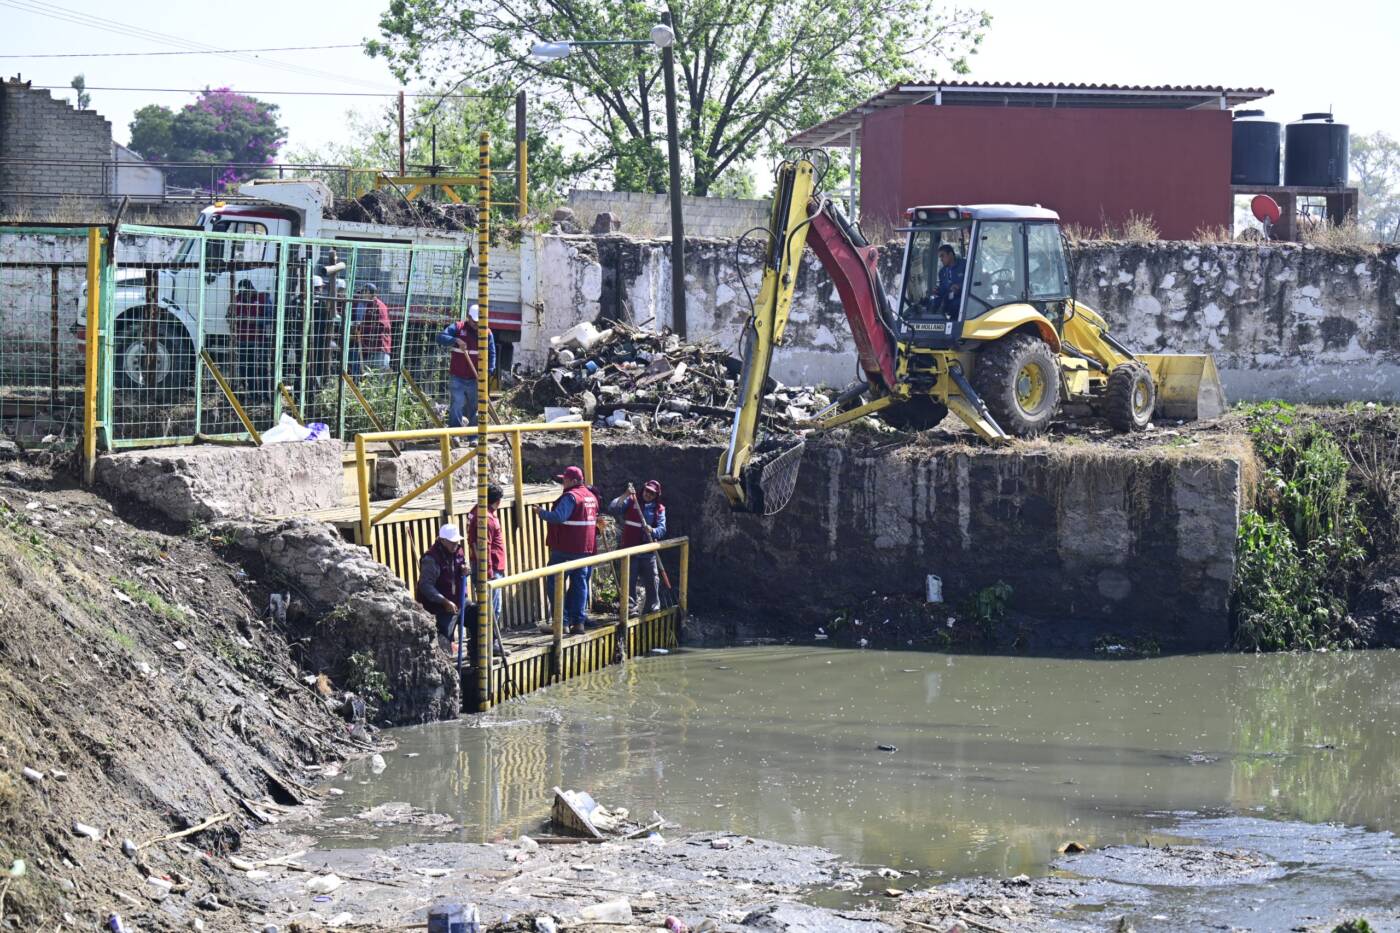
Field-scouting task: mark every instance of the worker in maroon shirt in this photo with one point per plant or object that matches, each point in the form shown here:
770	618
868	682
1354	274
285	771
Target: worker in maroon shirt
373	330
495	545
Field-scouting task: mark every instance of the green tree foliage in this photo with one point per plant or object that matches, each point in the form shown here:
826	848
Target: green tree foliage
1300	548
748	74
79	84
224	129
1375	166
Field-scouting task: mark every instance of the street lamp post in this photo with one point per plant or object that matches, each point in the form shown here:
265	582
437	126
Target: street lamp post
664	38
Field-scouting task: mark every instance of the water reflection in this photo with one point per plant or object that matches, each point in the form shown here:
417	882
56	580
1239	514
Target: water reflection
999	759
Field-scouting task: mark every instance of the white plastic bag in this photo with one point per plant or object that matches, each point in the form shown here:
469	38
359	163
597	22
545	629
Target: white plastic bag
286	430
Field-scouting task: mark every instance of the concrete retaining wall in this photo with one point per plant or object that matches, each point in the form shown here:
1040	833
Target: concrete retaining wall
204	483
1134	543
1284	321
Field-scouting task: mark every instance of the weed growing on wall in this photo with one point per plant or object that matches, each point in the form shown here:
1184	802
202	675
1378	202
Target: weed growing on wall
1300	549
366	679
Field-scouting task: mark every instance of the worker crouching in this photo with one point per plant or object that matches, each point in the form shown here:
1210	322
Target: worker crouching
643	521
573	534
442	580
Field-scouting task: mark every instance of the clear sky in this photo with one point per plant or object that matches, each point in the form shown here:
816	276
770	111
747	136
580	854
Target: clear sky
1314	55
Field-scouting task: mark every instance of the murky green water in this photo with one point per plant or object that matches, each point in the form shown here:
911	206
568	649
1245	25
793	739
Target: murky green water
999	760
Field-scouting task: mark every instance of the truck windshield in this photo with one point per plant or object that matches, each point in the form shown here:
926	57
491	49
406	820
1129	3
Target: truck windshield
928	280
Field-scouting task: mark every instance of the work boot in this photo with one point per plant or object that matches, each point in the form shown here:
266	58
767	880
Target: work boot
578	630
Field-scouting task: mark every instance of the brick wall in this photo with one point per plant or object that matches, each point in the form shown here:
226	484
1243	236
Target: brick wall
646	214
34	126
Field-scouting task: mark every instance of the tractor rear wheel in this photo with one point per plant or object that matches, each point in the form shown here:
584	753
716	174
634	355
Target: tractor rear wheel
1130	398
1018	378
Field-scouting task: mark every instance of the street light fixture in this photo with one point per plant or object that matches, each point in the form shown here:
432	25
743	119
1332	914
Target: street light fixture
663	36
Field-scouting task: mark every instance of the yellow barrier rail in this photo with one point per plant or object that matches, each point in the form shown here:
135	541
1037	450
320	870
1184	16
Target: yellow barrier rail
443	477
558	571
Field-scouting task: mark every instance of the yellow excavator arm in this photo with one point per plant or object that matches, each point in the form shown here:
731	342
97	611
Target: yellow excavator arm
787	231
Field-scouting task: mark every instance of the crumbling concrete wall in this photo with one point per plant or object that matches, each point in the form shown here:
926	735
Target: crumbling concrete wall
49	149
1283	320
208	482
1092	540
358	606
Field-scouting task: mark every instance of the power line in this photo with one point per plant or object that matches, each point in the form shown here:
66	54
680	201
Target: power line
76	17
283	48
179	90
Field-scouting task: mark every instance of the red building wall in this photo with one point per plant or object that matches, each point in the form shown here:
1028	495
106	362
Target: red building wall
1093	166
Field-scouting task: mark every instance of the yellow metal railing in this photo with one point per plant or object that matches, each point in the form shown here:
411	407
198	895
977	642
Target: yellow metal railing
558	571
444	436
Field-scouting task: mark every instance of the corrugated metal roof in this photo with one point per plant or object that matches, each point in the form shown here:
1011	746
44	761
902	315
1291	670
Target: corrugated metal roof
838	129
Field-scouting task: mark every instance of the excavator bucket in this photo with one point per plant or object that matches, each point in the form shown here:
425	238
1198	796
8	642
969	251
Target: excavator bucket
771	476
1188	385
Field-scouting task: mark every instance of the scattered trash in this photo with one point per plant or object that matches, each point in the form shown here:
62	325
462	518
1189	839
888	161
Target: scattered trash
129	848
343	919
656	651
122	597
887	748
377	763
257	875
33	776
618	911
893	892
83	829
114	923
435	872
18	868
527	844
676	925
890	873
628	379
143	668
934	588
158	888
58	775
179	645
545	924
721	843
1071	848
324	884
208	902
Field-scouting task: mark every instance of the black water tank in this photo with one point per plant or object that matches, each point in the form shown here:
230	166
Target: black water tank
1254	149
1316	152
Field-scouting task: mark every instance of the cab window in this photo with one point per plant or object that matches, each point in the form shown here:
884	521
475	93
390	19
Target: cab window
922	268
998	275
1045	259
245	251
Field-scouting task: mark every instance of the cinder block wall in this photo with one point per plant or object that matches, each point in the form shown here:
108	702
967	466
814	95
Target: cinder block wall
35	126
647	214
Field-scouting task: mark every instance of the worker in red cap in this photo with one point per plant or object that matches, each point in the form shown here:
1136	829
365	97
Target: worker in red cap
573	533
643	521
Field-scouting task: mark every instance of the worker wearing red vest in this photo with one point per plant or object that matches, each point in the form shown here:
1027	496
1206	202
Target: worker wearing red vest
573	533
643	521
495	544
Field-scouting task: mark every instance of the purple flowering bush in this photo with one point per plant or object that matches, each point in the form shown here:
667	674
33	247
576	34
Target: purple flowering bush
231	132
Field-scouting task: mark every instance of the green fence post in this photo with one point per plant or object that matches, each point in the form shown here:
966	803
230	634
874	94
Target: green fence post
109	280
306	315
347	313
199	342
403	335
278	331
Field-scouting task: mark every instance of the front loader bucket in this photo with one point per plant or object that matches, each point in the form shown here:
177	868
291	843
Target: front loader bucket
1188	385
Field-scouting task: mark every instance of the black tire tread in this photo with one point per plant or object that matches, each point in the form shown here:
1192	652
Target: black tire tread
994	380
1118	398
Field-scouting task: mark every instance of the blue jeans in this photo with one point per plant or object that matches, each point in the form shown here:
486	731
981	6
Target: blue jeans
576	590
463	401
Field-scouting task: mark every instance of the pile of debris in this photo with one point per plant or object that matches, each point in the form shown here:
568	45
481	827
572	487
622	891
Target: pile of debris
387	206
631	379
582	819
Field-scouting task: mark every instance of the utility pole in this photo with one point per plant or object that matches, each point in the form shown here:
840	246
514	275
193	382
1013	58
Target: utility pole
673	147
402	172
522	171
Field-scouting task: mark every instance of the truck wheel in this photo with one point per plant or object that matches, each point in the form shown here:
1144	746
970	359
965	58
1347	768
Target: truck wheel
1130	398
1018	378
917	414
165	362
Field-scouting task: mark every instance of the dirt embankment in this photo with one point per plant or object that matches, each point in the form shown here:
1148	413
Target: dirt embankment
144	695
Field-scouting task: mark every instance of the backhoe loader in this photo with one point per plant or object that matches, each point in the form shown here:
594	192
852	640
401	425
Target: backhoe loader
987	327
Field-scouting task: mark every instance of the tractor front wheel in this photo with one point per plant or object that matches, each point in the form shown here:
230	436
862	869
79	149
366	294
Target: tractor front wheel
1130	398
1018	378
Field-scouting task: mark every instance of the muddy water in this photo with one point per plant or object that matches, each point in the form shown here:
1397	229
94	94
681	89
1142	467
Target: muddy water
998	762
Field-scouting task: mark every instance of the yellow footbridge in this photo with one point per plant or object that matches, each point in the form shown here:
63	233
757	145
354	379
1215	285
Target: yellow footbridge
537	651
